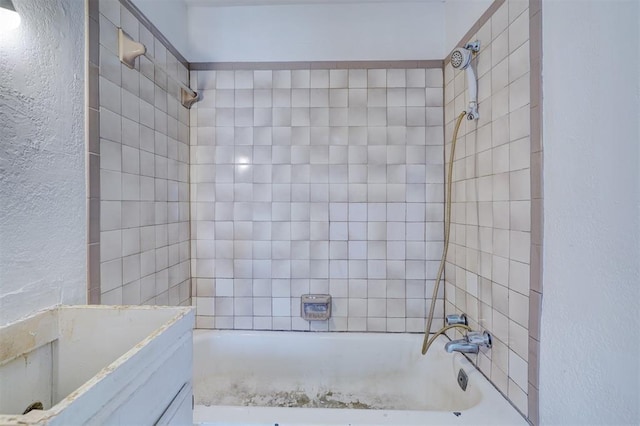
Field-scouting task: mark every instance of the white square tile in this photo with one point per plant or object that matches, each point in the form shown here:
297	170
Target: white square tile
300	79
338	79
396	308
357	78
338	269
225	80
415	77
243	79
300	97
357	116
281	79
338	98
433	97
416	116
377	97
376	117
338	116
519	93
519	62
500	20
319	98
401	77
396	97
320	79
518	32
262	79
499	48
396	116
281	97
519	185
434	77
377	78
415	97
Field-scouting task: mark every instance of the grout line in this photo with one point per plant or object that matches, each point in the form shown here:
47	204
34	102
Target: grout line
228	66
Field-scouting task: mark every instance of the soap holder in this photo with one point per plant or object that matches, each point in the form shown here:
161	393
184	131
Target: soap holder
315	307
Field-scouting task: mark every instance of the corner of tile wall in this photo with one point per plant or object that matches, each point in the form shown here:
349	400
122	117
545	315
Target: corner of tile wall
488	274
143	146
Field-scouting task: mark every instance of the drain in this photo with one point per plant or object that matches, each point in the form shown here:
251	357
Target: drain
463	380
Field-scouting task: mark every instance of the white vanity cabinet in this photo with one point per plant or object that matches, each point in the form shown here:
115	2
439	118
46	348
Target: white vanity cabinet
98	365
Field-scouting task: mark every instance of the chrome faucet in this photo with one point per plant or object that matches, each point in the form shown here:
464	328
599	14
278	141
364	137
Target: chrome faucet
469	344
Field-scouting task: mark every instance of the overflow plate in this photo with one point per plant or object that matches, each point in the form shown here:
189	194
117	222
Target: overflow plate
463	380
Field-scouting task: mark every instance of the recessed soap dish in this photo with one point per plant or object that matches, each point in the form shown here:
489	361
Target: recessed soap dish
315	307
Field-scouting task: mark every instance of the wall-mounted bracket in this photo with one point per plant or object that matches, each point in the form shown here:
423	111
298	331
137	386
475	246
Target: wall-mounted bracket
188	98
456	319
474	46
128	49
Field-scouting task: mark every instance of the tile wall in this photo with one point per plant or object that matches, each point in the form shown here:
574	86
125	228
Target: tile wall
488	269
316	181
143	169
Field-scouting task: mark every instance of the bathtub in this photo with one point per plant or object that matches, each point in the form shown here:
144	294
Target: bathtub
301	378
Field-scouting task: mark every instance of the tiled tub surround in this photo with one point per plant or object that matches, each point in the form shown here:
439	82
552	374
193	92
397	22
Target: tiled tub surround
316	181
487	273
144	170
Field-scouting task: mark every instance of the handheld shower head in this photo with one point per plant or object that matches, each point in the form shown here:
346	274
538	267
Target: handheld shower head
461	59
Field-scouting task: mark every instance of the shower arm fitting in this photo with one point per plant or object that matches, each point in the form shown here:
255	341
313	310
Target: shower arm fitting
129	50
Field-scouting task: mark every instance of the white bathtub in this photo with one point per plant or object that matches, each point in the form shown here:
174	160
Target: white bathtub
264	378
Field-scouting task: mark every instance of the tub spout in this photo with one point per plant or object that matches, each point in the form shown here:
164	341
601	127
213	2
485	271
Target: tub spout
469	344
461	345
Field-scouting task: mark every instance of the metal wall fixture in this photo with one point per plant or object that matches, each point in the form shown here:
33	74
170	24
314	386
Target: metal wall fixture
129	50
461	59
456	319
315	307
470	343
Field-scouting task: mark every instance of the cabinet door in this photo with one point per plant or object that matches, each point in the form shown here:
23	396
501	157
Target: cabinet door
180	410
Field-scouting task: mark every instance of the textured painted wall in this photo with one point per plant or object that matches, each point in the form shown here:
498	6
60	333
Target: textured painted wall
42	173
590	310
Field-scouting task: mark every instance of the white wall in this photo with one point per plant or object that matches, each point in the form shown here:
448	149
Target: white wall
311	31
42	169
317	32
589	368
459	16
170	17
